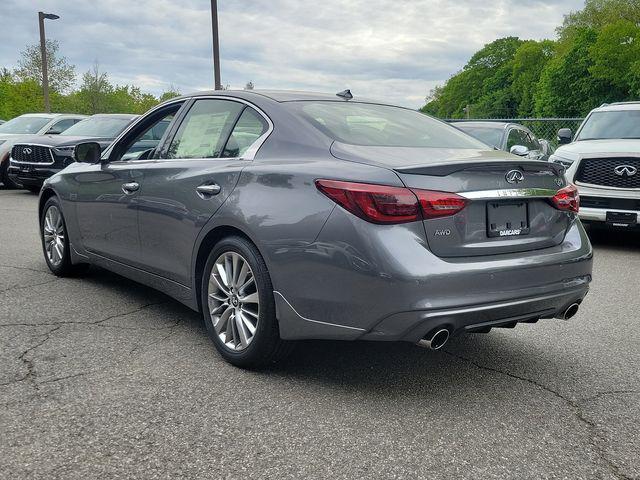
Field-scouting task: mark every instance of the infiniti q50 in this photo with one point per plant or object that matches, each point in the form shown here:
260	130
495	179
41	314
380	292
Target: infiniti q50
289	215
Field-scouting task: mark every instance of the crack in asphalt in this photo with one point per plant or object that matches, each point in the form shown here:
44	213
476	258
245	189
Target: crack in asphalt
24	268
29	362
172	329
31	285
575	406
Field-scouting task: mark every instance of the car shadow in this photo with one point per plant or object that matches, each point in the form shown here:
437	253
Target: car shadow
371	367
616	239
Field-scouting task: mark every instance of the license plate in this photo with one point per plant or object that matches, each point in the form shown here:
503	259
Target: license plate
622	219
507	219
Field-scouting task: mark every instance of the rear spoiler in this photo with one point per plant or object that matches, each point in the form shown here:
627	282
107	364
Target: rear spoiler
444	169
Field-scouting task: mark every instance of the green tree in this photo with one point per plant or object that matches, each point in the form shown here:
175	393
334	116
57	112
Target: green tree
61	74
566	86
597	14
484	84
616	55
528	64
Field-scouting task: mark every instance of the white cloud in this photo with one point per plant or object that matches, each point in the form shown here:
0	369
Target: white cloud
396	49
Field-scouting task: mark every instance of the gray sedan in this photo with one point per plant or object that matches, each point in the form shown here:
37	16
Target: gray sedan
287	215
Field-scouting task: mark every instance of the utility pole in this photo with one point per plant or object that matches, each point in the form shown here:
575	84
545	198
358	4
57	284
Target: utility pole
43	52
216	44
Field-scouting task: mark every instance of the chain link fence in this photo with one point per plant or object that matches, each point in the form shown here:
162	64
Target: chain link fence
544	128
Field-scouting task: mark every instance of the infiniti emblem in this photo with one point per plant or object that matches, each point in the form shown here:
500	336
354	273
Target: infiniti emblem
625	170
26	151
514	176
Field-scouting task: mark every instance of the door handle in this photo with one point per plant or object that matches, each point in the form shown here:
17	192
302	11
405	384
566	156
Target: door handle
130	188
207	191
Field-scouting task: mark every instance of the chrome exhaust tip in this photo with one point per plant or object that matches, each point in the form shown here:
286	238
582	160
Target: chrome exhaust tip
570	311
436	341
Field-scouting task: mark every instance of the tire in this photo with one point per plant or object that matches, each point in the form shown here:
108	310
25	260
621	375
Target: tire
55	241
238	308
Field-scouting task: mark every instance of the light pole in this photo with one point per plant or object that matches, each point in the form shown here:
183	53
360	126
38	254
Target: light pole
216	44
43	51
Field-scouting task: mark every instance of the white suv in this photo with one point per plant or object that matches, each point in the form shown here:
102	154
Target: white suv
603	160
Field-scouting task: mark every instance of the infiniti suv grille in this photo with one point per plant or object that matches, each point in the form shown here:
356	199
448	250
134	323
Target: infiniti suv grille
31	153
602	171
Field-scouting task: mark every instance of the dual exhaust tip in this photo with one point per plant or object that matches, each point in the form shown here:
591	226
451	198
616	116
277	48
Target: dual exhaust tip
439	338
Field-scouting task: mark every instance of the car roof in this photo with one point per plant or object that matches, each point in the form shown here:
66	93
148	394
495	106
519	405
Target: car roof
53	115
618	106
125	116
487	124
280	96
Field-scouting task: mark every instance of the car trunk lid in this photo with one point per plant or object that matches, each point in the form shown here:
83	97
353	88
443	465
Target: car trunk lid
509	207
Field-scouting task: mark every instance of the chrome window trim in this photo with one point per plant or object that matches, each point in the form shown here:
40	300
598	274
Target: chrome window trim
509	193
248	155
25	145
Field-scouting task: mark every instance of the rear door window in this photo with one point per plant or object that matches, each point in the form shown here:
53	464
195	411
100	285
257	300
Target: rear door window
205	128
249	128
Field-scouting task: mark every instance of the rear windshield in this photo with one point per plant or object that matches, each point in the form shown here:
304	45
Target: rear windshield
107	127
488	135
382	125
24	125
611	125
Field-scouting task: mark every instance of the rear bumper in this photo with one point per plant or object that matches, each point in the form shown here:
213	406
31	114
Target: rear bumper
413	326
600	214
384	284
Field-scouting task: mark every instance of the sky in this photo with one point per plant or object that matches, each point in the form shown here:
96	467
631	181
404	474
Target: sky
393	50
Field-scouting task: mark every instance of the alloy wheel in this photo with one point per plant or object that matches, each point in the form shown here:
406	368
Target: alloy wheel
53	231
234	303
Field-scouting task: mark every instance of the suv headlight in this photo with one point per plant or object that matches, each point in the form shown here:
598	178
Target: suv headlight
64	151
565	162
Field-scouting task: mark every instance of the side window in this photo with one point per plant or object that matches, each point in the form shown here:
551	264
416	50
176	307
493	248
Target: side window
250	126
533	142
204	129
516	137
62	125
139	143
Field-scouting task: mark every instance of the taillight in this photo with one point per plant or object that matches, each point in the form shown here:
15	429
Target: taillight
439	204
384	204
375	203
567	199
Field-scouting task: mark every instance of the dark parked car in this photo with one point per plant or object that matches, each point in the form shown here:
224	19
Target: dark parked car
288	215
27	127
37	159
510	137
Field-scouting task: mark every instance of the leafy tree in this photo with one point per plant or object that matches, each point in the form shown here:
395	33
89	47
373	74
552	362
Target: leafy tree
62	75
566	86
95	90
528	64
597	14
484	84
615	53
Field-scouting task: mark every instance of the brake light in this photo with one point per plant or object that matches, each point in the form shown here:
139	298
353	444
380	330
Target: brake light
374	203
388	205
439	204
567	199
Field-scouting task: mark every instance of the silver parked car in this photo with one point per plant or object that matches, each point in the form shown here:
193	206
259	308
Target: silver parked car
288	215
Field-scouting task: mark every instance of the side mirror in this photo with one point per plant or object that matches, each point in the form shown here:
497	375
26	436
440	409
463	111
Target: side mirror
565	135
519	150
88	152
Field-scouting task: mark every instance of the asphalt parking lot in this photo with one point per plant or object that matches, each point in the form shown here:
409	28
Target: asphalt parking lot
103	378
